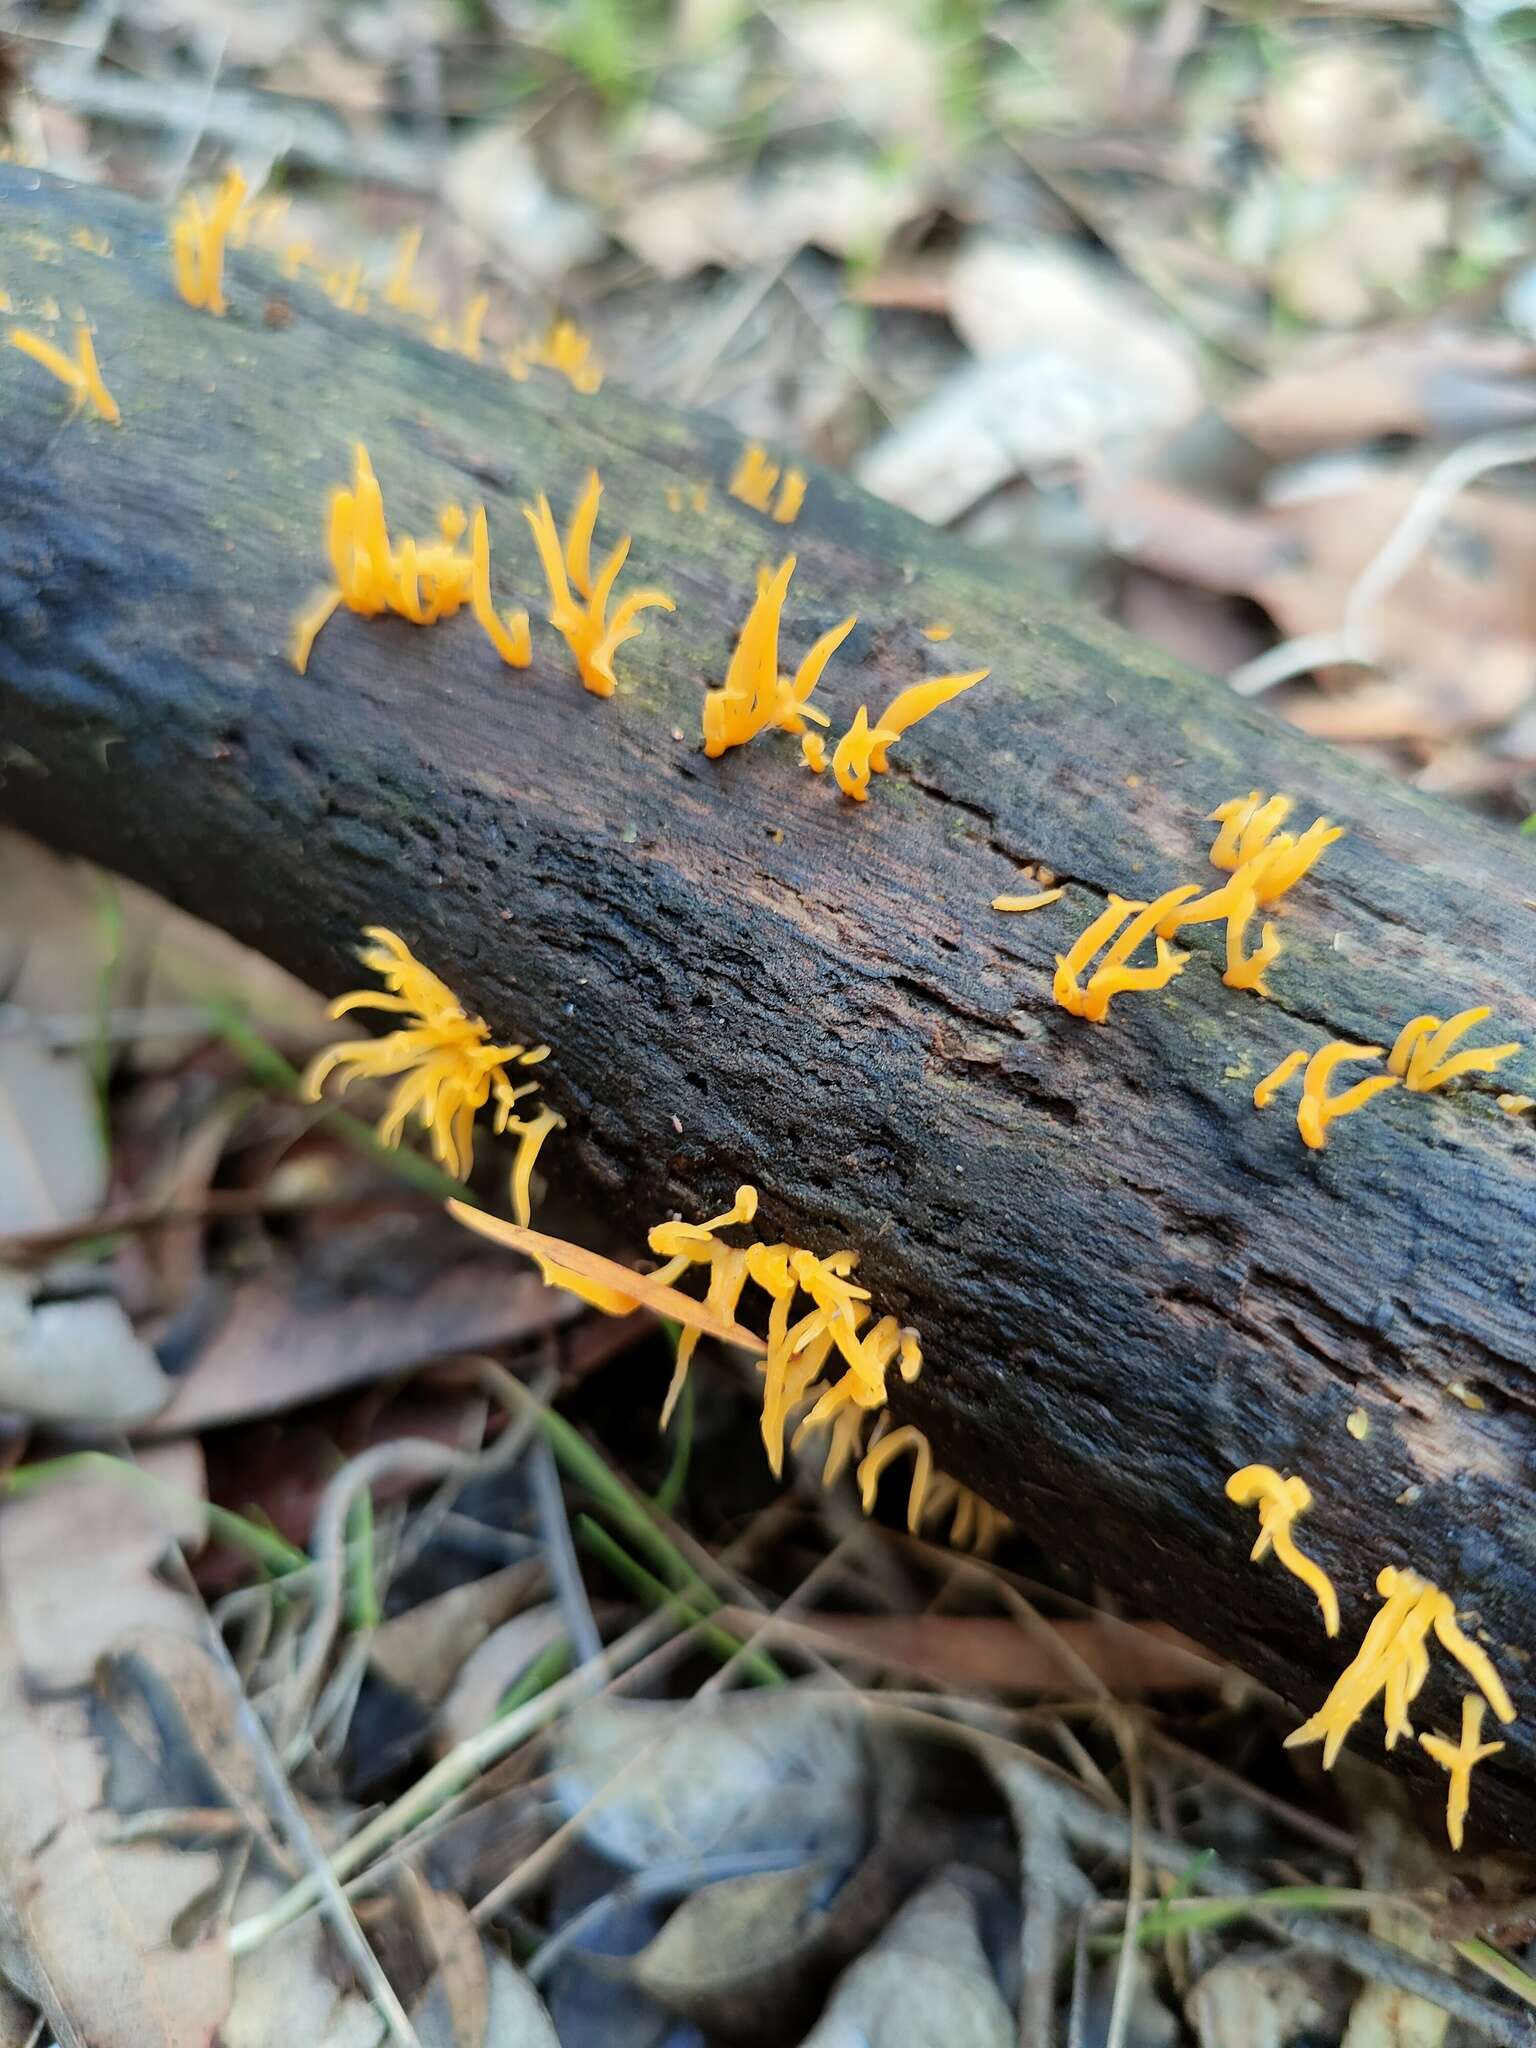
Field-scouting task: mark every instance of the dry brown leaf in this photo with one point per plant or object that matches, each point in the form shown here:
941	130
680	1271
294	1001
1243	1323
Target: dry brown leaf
1343	104
491	1670
1436	383
1371	251
422	1651
641	1290
77	1576
285	1991
53	1163
455	2005
494	184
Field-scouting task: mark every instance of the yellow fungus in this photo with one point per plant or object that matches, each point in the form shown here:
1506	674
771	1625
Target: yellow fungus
80	373
400	289
852	763
1516	1105
344	288
1113	974
1279	1502
754	478
940	630
786	507
1278	867
564	348
448	1068
587	630
1460	1759
1247	824
1358	1423
1247	972
197	243
1035	902
754	695
295	256
93	245
975	1525
531	1133
510	636
1266	1091
1422	1054
1317	1108
1393	1659
813	751
916	702
885	1451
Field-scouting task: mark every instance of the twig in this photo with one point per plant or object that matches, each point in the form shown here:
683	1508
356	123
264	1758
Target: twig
560	1556
1126	1974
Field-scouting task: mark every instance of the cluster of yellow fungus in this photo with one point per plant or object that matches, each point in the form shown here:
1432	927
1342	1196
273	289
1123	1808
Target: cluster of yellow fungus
1279	1502
447	1067
1318	1108
695	498
1133	923
198	235
755	695
864	750
566	348
755	480
400	288
1393	1657
582	618
78	373
419	581
1422	1055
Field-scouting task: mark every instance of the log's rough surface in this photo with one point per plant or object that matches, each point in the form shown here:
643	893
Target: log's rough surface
1127	1281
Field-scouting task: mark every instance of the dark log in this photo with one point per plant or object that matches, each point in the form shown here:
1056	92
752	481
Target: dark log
1128	1282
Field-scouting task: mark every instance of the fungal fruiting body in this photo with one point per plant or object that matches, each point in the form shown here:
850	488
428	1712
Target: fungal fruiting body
419	581
1036	902
198	235
1113	974
1460	1759
448	1068
1317	1108
1247	971
1247	824
974	1523
864	749
400	289
1516	1105
1279	1502
582	618
754	480
1393	1659
565	348
79	373
755	695
883	1452
1422	1055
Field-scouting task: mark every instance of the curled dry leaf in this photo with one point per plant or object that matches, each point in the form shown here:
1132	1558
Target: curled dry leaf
75	1361
926	1983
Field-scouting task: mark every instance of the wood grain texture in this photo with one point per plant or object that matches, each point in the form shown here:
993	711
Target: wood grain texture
1128	1282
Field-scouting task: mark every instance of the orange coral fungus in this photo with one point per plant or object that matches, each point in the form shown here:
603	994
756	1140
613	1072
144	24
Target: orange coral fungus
447	1065
1516	1105
1317	1108
582	619
1247	824
1393	1659
755	695
940	630
1036	902
419	581
864	749
1113	974
1460	1759
786	507
813	751
400	288
198	236
80	373
565	348
1247	972
1279	1502
1422	1055
885	1450
754	480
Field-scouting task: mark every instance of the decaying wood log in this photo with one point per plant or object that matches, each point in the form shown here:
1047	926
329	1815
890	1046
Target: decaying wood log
1127	1281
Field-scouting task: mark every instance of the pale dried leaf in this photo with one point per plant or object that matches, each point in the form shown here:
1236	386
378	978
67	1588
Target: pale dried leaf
422	1651
727	1933
454	2009
1395	1857
1255	2001
926	1983
285	1991
493	1669
517	2016
77	1567
877	66
53	1163
1342	105
75	1361
1371	251
493	183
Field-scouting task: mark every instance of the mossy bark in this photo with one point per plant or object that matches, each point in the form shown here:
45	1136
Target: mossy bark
1128	1282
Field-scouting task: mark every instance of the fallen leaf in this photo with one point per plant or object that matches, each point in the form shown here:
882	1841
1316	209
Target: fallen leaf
423	1651
1439	383
454	2008
1365	256
286	1991
493	183
926	1983
1344	104
784	1769
75	1361
53	1163
78	1565
1256	2001
517	2018
728	1936
880	67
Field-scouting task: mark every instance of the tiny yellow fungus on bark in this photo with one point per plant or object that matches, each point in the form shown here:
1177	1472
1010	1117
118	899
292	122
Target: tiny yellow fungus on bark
1247	972
853	761
1247	825
510	636
755	695
586	628
1279	1502
344	288
1393	1659
786	508
1460	1759
1278	867
939	630
1516	1105
531	1133
295	256
79	374
813	751
565	348
93	245
916	702
448	1068
400	288
1317	1108
197	243
885	1451
1422	1055
754	477
1358	1423
1035	902
1113	975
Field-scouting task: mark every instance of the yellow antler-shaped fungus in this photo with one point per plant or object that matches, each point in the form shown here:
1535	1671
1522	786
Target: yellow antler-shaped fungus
566	348
755	695
1460	1759
1279	1502
1317	1108
863	749
592	637
197	243
79	374
1422	1054
754	480
1393	1659
1113	975
885	1451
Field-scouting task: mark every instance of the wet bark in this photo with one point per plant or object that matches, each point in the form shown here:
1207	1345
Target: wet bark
1128	1282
